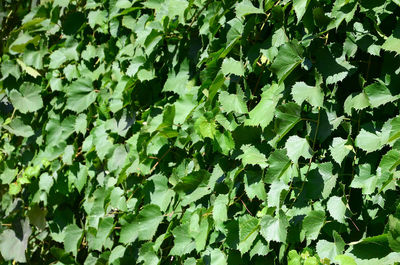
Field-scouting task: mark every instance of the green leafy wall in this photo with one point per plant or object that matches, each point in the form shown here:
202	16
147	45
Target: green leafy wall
200	132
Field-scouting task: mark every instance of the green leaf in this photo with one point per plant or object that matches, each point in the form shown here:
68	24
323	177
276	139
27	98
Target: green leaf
279	167
300	7
199	228
28	99
288	58
31	71
378	94
394	233
357	102
312	94
274	193
364	180
220	211
337	209
332	69
263	113
339	150
37	217
80	95
312	224
294	258
116	253
390	161
117	160
246	8
368	141
345	260
330	250
183	242
248	231
297	147
254	186
392	44
81	123
252	156
144	226
13	245
106	225
287	116
231	66
72	238
217	257
274	228
205	127
19	128
232	103
98	17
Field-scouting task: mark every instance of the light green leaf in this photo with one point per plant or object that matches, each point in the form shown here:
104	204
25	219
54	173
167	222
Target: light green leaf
368	141
116	253
254	185
19	128
279	167
339	150
252	156
297	147
117	160
274	228
357	102
147	254
248	231
177	8
312	94
246	8
378	94
288	115
288	58
337	209
274	193
72	238
183	242
12	245
81	123
394	233
345	260
97	17
312	224
330	250
31	71
390	161
28	99
217	257
220	212
205	127
300	7
392	44
106	225
199	228
232	103
231	66
144	226
80	95
364	180
225	142
263	113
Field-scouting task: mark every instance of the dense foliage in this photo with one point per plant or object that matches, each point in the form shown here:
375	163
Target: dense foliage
200	132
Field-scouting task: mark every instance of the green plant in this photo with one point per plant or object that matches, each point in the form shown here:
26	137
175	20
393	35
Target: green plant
200	132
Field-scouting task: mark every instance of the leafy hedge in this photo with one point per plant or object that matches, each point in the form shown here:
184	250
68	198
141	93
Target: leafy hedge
200	132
